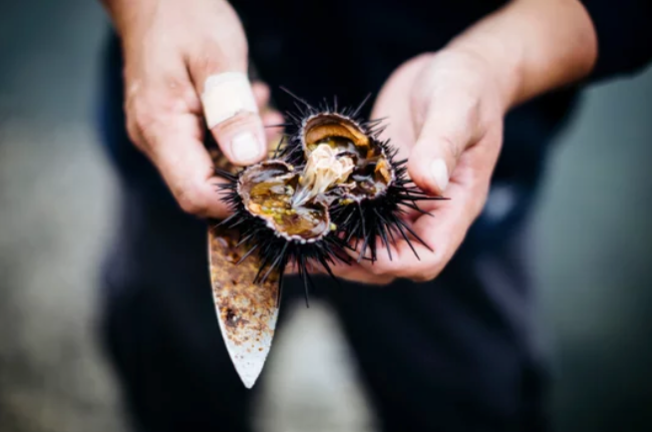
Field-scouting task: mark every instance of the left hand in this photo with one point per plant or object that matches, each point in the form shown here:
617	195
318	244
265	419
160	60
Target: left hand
445	114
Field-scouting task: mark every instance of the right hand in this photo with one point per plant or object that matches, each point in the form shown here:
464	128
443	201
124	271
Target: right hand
170	49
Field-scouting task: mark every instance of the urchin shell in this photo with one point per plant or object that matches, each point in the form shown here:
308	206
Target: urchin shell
369	206
361	219
275	249
281	179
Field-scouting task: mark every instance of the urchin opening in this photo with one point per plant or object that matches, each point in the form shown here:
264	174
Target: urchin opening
344	162
267	190
371	174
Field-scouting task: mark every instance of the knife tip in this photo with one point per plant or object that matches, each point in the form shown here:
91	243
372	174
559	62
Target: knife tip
248	382
249	372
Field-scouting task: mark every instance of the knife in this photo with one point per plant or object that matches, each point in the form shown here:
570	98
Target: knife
246	311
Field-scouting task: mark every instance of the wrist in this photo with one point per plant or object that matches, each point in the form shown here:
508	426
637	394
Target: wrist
533	46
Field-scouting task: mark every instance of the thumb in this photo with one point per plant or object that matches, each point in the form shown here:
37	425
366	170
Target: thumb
443	137
231	111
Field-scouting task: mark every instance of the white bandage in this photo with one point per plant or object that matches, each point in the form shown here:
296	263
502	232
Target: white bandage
225	95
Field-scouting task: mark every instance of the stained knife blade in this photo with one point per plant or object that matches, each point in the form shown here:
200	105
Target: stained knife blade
246	311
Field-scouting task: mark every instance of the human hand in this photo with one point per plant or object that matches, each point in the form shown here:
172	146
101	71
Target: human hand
445	114
184	60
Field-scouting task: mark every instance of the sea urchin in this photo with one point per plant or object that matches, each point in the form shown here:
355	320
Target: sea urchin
332	184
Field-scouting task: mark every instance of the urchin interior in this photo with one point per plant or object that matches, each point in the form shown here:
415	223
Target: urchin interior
371	174
341	163
267	189
336	131
324	170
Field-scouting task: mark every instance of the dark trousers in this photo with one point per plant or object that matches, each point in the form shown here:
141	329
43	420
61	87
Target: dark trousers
455	354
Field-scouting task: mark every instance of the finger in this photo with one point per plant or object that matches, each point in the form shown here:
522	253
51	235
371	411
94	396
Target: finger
177	150
442	234
408	257
271	117
351	272
273	133
356	273
230	108
447	129
261	95
392	105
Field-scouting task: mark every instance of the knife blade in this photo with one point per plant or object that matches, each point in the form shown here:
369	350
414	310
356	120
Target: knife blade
246	311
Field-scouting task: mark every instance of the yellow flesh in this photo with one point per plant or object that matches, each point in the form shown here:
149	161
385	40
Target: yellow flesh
269	196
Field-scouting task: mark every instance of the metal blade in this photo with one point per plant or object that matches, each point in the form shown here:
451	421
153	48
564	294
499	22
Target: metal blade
246	311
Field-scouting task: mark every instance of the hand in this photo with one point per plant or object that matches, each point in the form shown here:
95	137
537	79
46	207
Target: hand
171	48
445	114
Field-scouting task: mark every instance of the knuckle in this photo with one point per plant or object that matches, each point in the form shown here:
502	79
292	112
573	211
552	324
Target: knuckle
146	123
139	115
142	117
134	135
146	104
191	203
134	130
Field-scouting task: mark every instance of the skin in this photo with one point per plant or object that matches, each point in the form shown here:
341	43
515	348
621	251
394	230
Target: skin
446	109
170	48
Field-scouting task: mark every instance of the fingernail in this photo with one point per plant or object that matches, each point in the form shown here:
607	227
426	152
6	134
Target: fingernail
245	147
439	173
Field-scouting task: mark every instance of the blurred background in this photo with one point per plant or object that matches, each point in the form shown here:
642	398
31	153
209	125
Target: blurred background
57	201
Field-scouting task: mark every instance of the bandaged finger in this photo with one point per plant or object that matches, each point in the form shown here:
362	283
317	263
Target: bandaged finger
227	95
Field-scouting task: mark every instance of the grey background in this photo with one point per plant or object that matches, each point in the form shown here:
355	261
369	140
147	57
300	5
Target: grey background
57	199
